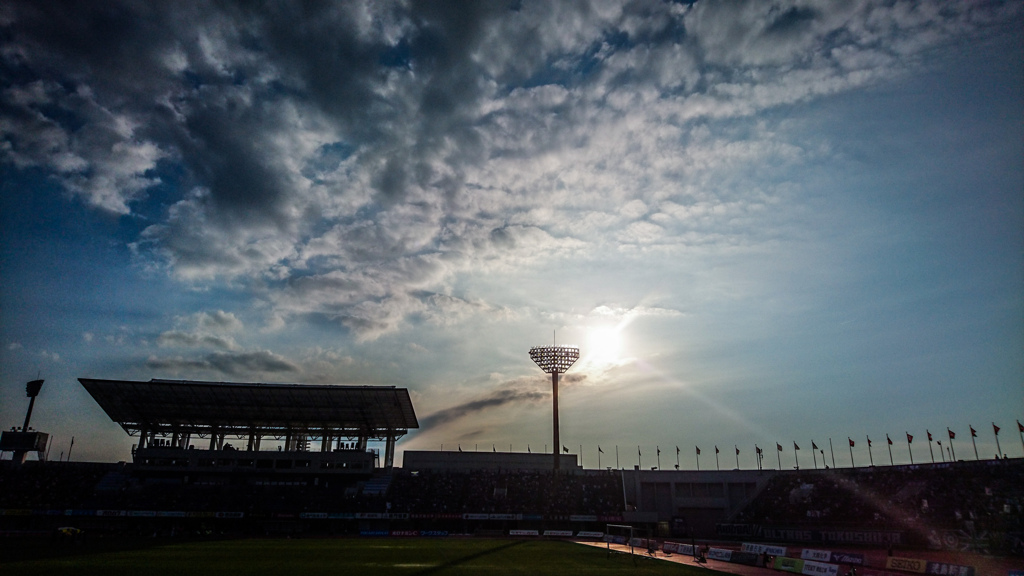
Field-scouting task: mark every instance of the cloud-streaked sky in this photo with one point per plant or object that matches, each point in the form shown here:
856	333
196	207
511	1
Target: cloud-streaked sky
761	221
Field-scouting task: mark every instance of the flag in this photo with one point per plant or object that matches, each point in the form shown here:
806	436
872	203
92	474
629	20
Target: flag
952	435
599	450
493	449
737	450
658	448
778	447
813	445
528	451
757	449
638	452
460	447
677	450
995	428
974	433
564	449
716	448
1020	426
852	443
869	441
795	447
889	440
698	450
909	438
929	436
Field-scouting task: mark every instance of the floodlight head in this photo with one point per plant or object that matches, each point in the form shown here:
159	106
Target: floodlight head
32	388
554	359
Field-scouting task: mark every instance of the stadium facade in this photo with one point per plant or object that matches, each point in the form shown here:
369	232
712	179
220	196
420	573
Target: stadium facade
302	465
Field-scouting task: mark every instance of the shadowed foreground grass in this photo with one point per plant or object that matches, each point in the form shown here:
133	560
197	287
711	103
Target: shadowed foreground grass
439	557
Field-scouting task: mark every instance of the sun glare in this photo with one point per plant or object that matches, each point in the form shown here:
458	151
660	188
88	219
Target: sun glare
604	345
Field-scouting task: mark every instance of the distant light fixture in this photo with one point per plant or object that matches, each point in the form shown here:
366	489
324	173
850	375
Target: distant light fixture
555	360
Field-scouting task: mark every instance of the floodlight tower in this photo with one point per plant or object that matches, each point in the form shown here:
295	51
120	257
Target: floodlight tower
555	360
22	441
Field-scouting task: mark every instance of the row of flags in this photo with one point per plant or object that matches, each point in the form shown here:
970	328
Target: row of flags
759	452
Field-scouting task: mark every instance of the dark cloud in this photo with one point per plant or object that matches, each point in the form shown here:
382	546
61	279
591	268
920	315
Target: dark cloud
248	364
496	399
528	390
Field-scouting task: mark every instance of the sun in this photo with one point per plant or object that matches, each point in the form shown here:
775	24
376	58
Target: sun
604	345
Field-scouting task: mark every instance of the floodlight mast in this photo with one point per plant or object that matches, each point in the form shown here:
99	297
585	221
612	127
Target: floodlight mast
555	360
31	390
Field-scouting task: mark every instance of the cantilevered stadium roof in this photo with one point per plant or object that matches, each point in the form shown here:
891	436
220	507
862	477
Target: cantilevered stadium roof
164	404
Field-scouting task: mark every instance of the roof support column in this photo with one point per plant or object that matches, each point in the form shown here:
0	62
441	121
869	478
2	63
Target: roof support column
389	450
142	437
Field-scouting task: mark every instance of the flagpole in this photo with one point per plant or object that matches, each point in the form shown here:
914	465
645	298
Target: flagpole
1020	430
889	442
598	456
995	430
814	448
832	451
737	456
871	459
796	455
658	449
716	458
617	458
974	434
852	465
909	450
757	456
952	449
677	457
778	454
698	457
930	453
639	462
941	452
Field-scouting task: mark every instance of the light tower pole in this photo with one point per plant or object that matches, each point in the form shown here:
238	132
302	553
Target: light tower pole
22	441
555	360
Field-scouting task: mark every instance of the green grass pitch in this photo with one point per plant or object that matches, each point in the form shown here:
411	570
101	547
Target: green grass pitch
441	557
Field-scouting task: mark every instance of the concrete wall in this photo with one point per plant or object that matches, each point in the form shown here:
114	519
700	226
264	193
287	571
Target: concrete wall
700	498
451	460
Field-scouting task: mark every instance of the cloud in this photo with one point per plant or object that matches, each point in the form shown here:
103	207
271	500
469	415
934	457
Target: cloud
354	162
511	394
203	330
518	391
177	338
247	364
218	321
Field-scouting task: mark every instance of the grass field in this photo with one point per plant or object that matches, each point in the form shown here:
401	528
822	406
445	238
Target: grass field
442	557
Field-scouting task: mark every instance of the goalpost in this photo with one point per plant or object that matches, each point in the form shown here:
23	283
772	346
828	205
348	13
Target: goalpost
619	534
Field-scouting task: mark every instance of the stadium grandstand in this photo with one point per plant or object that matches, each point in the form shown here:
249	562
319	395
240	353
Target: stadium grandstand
303	466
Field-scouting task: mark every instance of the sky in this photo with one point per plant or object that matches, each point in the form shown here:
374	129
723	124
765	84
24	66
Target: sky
762	222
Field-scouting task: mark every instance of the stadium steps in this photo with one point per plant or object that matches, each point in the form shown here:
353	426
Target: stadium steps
377	486
910	492
112	482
